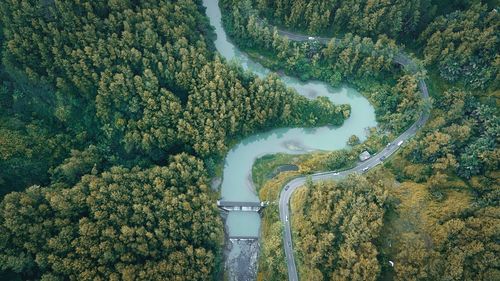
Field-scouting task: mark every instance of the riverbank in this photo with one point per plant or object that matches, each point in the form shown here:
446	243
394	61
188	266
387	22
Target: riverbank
272	264
352	60
237	184
415	254
406	83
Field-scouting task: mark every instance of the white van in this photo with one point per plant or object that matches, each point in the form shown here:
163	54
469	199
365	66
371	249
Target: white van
400	143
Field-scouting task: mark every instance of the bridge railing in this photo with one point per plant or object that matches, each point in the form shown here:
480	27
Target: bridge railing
222	203
243	237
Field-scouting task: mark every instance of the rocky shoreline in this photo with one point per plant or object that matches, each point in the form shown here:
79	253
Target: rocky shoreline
241	264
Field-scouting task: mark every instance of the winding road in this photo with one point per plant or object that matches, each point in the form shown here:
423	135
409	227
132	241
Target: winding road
290	187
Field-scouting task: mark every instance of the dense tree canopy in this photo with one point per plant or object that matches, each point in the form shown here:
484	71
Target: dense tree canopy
125	224
31	142
114	111
365	17
455	209
463	139
397	107
451	239
144	69
95	97
464	46
353	59
336	224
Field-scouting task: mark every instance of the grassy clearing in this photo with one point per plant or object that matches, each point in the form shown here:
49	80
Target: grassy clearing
265	165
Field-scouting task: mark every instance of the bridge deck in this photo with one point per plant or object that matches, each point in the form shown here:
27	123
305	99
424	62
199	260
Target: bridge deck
244	237
238	204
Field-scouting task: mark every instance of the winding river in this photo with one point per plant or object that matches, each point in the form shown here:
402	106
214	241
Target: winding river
237	184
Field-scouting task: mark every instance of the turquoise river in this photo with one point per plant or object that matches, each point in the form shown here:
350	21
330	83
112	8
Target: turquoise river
237	184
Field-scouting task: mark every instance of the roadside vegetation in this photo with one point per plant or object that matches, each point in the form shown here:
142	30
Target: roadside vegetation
441	213
115	114
359	61
397	18
267	167
271	259
334	227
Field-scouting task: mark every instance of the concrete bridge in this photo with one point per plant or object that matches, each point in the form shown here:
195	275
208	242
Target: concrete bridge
241	206
242	238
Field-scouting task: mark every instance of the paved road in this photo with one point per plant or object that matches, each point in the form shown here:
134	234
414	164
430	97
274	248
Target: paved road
290	187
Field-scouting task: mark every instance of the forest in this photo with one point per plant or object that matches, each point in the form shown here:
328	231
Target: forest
360	61
335	225
454	162
457	37
123	224
371	18
442	215
114	116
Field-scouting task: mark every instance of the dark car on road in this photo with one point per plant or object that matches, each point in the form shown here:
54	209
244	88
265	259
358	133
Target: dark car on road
382	158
